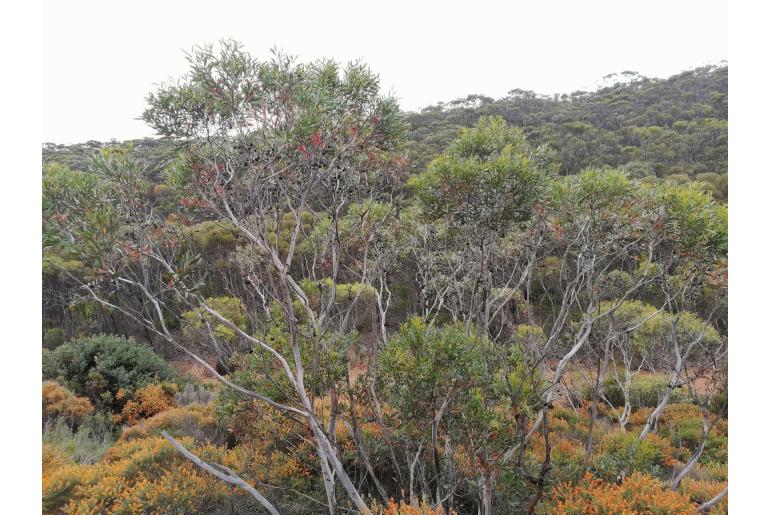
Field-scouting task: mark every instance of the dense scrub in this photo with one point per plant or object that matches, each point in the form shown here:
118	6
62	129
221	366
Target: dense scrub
296	303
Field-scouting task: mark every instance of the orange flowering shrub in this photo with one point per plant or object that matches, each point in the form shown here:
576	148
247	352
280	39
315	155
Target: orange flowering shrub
639	417
143	473
148	475
701	491
677	412
58	401
404	508
61	477
567	420
567	455
637	494
147	401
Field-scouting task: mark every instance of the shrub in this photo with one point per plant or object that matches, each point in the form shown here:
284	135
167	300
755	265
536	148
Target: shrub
567	455
99	366
195	421
701	491
147	401
60	485
621	453
194	394
404	508
54	337
146	476
683	425
86	444
711	471
60	402
212	236
232	308
719	403
144	473
638	493
54	458
645	391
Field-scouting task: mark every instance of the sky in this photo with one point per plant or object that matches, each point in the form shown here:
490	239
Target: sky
100	59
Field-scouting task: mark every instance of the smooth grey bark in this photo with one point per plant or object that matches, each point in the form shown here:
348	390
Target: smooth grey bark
223	473
706	506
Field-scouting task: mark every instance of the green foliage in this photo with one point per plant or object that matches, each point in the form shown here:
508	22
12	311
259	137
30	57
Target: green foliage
622	453
645	391
260	371
592	190
646	331
62	183
195	322
227	88
648	126
488	177
420	365
72	213
52	338
693	220
210	236
100	366
424	370
86	444
59	265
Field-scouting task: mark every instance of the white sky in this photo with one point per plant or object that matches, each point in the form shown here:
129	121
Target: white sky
101	58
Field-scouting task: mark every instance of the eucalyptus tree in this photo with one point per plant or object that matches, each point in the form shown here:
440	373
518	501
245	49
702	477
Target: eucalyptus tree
694	228
481	187
589	226
271	148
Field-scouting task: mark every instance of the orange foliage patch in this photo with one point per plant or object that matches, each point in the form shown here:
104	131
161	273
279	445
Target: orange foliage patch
58	401
639	493
147	401
701	491
404	508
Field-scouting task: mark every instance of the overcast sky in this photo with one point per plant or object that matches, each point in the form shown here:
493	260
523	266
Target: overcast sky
101	58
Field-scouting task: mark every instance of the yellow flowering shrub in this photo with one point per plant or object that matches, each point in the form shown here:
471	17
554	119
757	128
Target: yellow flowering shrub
54	458
140	476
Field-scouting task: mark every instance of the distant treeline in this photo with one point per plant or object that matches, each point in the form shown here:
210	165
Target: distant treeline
657	128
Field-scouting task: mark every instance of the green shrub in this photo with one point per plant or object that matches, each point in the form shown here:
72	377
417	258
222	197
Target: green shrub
716	449
719	403
622	453
54	337
645	392
85	445
105	368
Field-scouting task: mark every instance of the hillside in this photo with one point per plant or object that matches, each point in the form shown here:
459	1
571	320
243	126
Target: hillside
650	127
